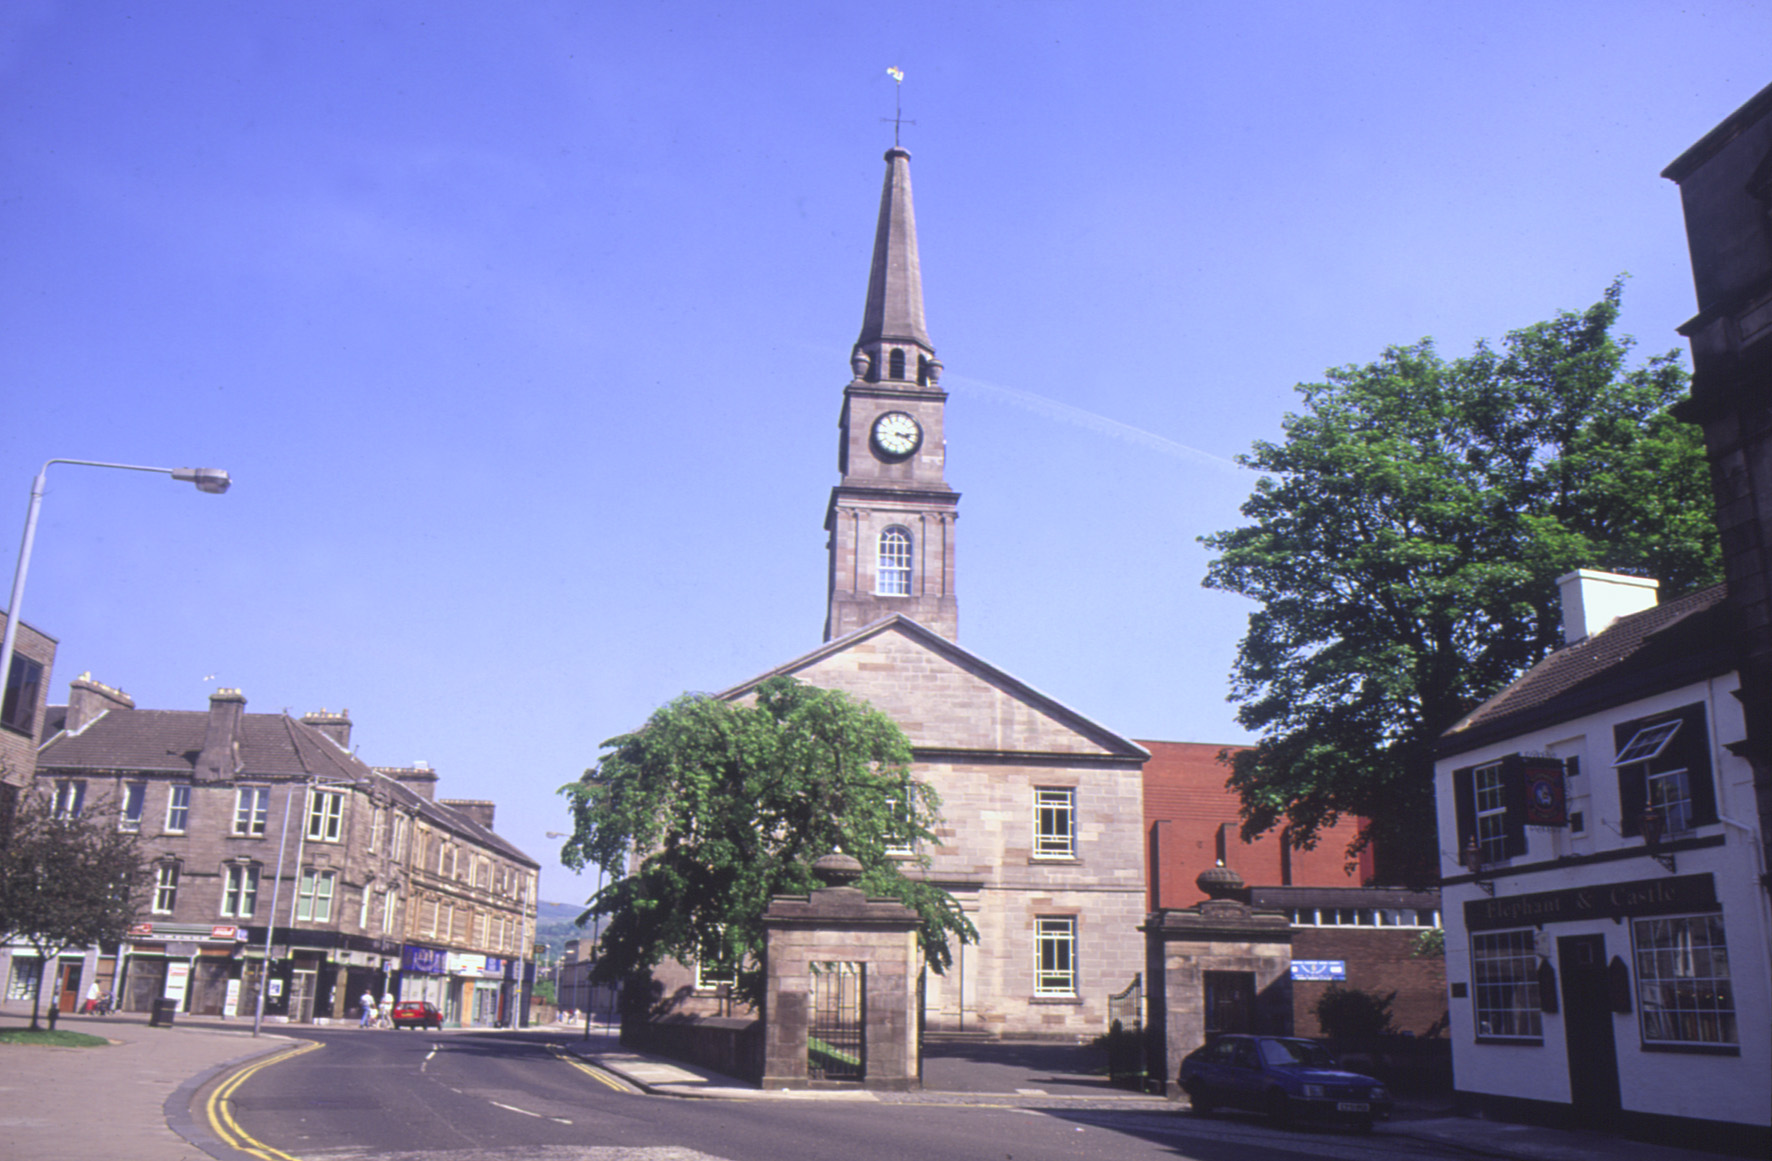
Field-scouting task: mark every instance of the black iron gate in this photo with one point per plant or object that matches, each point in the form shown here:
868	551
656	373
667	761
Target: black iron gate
1125	1036
834	1047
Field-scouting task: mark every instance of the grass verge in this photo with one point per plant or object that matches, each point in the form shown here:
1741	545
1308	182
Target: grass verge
56	1039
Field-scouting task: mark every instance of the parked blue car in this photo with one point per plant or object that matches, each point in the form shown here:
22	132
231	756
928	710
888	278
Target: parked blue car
1284	1077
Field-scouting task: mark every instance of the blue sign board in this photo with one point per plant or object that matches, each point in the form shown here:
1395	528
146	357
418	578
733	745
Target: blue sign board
1319	969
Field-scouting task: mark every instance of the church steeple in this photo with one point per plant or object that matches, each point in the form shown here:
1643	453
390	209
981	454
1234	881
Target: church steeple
893	336
891	517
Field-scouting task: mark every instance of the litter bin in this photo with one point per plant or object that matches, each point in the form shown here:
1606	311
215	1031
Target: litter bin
163	1012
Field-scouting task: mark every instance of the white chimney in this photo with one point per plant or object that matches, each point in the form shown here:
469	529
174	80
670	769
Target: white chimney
1593	600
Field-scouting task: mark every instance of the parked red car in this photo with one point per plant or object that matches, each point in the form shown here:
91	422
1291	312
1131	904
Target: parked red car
416	1014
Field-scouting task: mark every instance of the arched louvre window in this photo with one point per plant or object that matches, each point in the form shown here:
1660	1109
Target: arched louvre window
895	364
893	578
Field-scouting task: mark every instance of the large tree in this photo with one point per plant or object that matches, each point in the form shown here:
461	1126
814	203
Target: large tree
715	807
1404	543
67	880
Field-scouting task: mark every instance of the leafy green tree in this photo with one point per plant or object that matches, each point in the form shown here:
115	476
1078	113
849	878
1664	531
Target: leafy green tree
724	806
1404	543
67	882
1351	1016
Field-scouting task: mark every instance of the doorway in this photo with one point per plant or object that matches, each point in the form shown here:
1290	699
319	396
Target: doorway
835	1046
1587	1028
1230	1003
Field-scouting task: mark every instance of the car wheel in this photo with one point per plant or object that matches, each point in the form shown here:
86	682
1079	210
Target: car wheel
1278	1107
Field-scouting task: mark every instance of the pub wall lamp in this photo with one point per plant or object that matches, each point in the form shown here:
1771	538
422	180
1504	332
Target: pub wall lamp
1653	831
1472	858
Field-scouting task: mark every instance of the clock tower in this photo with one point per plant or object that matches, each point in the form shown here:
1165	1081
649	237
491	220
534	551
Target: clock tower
892	515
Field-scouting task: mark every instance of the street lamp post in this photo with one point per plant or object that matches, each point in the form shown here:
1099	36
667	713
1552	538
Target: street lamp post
212	480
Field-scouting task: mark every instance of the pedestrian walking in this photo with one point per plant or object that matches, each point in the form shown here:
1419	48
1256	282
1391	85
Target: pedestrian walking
385	1018
367	1003
91	1004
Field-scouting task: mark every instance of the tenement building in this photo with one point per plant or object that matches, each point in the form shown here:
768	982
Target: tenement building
1041	809
280	858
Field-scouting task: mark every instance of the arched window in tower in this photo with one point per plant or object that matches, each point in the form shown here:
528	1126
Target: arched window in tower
893	577
895	363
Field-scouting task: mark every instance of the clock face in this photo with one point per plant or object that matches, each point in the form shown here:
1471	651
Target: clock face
896	434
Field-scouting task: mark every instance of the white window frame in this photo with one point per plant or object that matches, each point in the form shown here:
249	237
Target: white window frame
178	809
326	816
313	902
252	809
1684	994
70	797
239	890
895	554
165	888
131	806
363	909
1055	955
1055	822
378	821
1490	803
389	901
1504	986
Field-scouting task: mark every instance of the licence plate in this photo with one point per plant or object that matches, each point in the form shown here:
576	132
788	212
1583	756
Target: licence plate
1352	1107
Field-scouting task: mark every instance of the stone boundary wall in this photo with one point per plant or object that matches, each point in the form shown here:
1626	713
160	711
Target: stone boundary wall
725	1044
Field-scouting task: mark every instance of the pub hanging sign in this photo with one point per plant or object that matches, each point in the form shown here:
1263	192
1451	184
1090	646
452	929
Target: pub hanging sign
1546	801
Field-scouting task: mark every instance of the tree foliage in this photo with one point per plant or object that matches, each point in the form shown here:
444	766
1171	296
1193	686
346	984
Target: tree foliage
723	806
67	882
1404	543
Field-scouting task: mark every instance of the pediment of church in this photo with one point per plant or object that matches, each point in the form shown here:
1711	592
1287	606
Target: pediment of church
945	698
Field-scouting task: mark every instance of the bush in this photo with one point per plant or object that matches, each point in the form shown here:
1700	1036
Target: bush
1350	1015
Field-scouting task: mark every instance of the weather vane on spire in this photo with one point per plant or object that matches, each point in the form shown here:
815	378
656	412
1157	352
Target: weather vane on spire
897	75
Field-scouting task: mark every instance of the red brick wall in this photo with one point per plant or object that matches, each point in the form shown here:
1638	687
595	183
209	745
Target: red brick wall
1379	961
1184	790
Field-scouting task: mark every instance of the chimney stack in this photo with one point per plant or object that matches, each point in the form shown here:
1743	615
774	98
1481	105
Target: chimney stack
88	700
478	810
1593	600
220	758
418	778
336	726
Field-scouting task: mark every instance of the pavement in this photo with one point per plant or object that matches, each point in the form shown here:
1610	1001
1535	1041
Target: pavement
133	1098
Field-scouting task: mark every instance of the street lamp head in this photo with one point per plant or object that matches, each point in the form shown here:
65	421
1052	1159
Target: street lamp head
212	480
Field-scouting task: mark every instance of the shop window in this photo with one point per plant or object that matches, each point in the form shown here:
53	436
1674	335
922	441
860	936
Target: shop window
1055	955
27	973
1504	969
1684	995
1663	761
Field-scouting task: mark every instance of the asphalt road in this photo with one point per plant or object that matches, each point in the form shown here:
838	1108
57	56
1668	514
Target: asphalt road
467	1097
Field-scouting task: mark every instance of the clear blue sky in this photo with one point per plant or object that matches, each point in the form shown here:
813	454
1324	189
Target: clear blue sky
523	327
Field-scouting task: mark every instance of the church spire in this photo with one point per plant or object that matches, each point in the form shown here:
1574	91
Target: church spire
894	343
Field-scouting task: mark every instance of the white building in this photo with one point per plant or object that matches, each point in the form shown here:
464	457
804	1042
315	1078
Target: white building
1607	922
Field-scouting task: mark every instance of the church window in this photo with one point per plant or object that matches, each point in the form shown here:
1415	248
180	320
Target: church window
895	364
1055	823
893	578
1055	955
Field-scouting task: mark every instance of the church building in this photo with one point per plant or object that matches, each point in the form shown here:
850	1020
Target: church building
1041	807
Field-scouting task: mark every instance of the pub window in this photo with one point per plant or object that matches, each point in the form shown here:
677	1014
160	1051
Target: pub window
1684	995
1663	761
1490	801
1504	972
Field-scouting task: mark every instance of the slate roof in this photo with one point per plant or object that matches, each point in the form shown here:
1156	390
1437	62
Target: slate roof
1675	644
272	746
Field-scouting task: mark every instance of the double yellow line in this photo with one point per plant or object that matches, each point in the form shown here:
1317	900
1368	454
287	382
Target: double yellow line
596	1074
221	1116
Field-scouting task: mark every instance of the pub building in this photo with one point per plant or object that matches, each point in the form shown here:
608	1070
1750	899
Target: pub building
1607	927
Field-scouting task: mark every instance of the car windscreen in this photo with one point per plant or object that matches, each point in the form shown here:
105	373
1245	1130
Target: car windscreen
1295	1053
